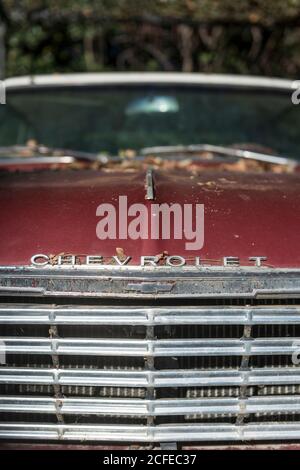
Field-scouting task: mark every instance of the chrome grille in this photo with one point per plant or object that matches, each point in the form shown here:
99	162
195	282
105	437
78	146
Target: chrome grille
198	371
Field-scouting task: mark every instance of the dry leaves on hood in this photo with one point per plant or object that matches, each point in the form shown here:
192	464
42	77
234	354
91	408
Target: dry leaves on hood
162	256
193	165
198	166
121	254
53	259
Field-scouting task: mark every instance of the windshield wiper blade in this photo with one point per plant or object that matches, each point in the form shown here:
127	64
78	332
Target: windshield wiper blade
218	150
43	154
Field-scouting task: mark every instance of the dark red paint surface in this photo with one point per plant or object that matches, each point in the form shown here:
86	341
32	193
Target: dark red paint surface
55	211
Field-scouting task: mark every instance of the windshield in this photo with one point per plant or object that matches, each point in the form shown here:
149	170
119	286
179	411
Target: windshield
114	118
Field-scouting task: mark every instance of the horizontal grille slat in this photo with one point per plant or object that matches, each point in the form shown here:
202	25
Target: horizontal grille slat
150	371
57	315
142	407
166	378
162	433
154	348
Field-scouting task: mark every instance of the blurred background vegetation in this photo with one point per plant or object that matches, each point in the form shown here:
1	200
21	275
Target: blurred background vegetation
247	36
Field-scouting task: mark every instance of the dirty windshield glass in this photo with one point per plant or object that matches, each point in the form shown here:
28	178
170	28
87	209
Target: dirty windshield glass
109	119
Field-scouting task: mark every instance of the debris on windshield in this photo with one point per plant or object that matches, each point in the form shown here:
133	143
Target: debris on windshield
32	144
128	153
193	166
129	161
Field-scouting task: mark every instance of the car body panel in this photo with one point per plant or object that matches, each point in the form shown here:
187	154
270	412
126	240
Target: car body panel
245	215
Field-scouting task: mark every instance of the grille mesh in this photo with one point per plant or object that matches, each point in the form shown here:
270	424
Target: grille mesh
169	397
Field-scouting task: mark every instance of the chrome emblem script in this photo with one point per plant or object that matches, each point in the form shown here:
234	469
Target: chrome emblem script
174	261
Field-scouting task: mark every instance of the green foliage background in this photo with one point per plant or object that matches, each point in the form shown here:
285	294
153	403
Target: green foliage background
230	36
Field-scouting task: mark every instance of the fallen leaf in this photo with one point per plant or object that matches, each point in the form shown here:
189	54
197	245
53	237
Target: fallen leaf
121	254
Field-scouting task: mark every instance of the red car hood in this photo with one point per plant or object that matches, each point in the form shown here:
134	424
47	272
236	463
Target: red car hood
246	214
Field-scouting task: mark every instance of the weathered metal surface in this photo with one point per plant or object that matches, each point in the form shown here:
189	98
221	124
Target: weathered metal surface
244	216
187	282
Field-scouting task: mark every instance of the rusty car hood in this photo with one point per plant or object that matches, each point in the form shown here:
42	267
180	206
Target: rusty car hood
246	214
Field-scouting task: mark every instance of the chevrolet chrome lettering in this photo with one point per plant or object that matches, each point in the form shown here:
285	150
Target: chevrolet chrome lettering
177	261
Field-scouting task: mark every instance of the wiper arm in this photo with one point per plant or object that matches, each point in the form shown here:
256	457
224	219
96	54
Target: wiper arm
43	154
218	150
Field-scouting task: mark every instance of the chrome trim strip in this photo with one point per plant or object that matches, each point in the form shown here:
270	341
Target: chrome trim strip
143	407
162	433
142	378
90	315
151	348
84	79
188	282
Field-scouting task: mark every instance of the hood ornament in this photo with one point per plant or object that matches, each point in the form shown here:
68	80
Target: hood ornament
149	185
